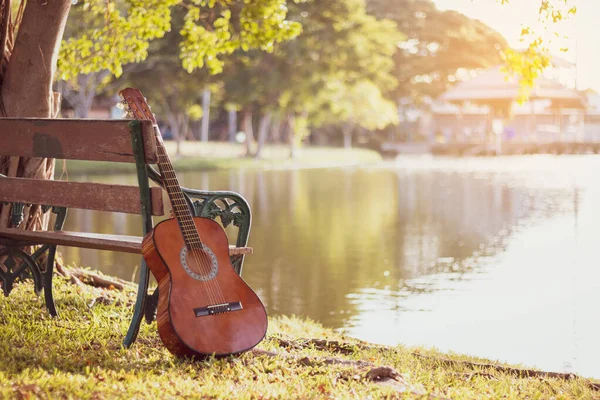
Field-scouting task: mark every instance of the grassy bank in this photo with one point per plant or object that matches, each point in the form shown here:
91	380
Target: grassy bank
216	155
79	355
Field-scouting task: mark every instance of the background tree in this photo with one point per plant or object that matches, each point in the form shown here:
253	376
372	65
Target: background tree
31	41
360	105
438	45
247	84
28	66
174	94
340	43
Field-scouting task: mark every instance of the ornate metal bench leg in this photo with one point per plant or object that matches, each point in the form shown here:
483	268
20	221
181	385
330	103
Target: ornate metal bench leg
47	282
48	274
13	270
140	306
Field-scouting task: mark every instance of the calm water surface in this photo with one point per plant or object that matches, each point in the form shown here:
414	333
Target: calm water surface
496	258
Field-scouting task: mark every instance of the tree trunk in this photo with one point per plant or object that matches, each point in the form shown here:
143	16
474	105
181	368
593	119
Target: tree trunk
81	95
176	130
263	129
276	129
184	127
205	115
347	140
27	88
291	117
347	131
195	127
232	124
249	130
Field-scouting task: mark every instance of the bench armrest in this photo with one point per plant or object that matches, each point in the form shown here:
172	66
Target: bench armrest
231	207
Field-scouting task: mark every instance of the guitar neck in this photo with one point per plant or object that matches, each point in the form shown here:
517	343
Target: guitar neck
178	202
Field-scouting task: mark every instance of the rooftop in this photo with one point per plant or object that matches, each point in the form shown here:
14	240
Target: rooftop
493	85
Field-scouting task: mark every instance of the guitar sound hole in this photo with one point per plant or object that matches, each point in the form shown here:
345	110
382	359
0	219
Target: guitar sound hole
200	264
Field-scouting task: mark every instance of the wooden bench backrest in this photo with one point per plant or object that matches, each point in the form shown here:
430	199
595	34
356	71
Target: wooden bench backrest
76	139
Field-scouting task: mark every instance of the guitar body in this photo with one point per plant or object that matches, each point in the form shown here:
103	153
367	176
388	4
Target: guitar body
206	309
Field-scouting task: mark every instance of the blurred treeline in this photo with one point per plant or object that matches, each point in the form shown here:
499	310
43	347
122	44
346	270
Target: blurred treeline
357	67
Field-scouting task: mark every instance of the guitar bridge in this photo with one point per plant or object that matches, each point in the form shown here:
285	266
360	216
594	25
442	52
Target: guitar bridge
218	309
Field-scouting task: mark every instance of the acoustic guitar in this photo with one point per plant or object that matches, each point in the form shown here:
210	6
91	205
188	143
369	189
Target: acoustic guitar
204	307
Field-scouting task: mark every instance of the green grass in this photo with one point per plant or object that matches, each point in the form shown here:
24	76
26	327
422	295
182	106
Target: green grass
79	355
216	155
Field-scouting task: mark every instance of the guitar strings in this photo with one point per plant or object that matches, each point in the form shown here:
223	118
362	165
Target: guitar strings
187	231
186	227
189	228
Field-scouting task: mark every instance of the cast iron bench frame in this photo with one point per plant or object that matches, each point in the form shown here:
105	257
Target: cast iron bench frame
67	139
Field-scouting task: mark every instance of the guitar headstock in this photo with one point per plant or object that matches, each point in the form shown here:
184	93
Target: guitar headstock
136	105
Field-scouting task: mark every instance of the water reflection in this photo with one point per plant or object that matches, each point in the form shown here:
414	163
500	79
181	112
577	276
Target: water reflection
411	251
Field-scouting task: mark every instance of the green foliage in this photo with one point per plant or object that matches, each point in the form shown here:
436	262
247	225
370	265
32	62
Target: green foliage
172	91
194	112
361	104
300	127
261	24
528	65
109	34
340	47
342	51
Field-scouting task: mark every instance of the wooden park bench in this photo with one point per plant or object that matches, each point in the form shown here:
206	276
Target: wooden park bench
95	140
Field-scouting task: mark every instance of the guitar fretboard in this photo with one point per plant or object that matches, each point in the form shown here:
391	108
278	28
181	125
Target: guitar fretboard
178	202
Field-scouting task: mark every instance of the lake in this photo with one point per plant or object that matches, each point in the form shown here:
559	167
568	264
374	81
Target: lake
492	257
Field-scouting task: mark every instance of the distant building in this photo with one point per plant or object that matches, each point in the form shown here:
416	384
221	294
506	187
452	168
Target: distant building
478	109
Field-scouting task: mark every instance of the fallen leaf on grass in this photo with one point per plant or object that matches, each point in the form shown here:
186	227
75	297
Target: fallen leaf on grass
101	300
382	374
387	376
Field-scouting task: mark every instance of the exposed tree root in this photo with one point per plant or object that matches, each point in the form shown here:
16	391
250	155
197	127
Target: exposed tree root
82	276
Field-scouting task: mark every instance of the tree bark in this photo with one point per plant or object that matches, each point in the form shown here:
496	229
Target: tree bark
263	129
291	117
27	87
205	115
174	124
347	131
276	129
81	96
249	130
232	124
195	127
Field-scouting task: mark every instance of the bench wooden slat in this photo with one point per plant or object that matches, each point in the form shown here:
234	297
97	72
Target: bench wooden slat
122	243
89	196
73	139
